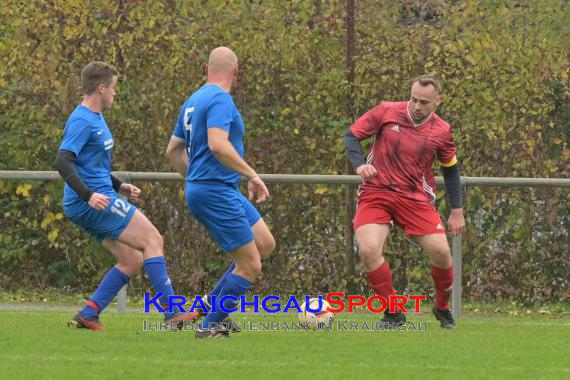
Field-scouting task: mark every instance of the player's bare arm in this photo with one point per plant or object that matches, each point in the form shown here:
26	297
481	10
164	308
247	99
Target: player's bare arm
178	156
130	191
224	152
126	189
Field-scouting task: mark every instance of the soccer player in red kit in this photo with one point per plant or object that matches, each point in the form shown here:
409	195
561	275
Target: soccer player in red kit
399	187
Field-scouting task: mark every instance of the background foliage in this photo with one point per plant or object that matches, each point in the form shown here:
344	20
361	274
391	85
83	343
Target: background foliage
505	71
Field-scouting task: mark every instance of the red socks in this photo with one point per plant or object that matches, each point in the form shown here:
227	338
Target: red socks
380	280
443	280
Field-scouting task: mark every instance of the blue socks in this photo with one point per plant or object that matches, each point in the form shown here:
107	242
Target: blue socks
218	287
233	285
156	271
113	281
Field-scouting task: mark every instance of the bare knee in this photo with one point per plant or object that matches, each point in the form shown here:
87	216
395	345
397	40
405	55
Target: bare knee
441	257
370	255
266	247
157	240
249	269
131	263
153	244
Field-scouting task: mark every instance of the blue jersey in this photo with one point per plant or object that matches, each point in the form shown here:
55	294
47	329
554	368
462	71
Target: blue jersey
209	107
87	135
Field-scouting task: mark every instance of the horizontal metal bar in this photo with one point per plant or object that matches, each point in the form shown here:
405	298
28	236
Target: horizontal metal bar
300	179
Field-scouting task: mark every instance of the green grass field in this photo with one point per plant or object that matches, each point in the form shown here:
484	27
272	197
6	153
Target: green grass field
38	345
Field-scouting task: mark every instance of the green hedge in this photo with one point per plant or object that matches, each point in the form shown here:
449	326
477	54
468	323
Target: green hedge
504	67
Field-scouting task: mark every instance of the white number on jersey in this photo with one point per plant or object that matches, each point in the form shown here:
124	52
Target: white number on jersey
188	119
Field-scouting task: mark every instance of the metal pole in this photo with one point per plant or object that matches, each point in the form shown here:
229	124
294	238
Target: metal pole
303	178
122	300
350	193
122	295
457	264
456	292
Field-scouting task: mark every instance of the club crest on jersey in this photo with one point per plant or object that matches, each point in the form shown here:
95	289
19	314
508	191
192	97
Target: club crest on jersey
396	128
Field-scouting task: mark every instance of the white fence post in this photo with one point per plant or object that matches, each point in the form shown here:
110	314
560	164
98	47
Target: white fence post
122	300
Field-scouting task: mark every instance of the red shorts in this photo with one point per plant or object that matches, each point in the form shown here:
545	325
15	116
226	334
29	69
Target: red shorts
382	207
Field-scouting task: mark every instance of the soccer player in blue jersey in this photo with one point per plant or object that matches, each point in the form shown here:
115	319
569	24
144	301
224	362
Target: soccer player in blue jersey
207	149
92	202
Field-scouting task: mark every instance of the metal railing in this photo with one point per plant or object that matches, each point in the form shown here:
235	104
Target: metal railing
324	180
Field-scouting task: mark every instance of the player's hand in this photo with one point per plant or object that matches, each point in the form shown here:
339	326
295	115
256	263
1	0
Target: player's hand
456	222
257	190
130	191
366	171
98	201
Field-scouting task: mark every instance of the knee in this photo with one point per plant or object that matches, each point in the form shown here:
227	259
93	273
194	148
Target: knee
266	247
155	240
250	269
132	264
138	262
370	255
441	256
368	250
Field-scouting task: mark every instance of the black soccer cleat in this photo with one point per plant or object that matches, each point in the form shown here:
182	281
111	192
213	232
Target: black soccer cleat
444	317
212	334
392	320
229	323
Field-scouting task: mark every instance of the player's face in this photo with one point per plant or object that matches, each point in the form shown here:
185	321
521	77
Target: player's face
108	93
423	101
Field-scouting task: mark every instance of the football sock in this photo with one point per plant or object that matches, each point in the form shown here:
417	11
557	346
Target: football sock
155	268
234	285
113	281
216	290
380	280
443	280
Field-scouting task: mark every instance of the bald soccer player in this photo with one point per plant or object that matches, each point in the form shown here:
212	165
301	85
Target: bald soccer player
207	149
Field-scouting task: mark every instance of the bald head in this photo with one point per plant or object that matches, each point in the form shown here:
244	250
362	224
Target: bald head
221	60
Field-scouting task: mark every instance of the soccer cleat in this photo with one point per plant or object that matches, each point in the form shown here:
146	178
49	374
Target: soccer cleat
231	325
228	322
392	320
80	322
212	334
182	318
444	317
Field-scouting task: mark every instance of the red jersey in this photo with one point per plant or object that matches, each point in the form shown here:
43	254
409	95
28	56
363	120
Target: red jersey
403	152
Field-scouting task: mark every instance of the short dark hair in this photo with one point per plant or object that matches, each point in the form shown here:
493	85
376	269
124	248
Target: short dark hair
426	80
96	73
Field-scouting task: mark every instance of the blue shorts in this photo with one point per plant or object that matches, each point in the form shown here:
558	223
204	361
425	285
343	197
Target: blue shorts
224	211
109	223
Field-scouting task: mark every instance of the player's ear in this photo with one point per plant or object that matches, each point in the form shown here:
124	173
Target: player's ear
438	100
206	69
100	88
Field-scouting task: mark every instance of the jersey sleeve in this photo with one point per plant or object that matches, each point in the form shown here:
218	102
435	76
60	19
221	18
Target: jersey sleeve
446	152
370	123
220	112
178	133
76	135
